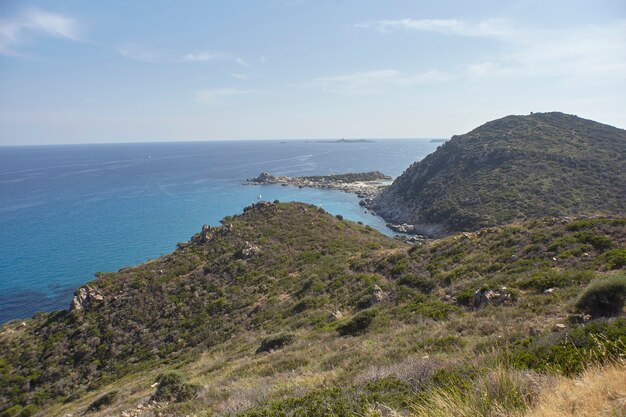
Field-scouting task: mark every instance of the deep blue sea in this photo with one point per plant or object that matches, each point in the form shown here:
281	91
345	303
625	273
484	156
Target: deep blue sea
68	211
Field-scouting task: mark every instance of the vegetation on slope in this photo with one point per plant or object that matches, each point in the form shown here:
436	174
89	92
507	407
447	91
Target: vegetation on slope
350	177
286	310
517	167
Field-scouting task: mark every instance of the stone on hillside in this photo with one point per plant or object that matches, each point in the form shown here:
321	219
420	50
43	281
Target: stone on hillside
485	297
336	315
249	250
378	295
85	297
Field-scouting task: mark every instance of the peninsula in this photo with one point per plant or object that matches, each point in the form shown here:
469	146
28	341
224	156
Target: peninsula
364	184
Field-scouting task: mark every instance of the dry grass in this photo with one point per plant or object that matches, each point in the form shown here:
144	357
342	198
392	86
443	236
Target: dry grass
499	393
598	392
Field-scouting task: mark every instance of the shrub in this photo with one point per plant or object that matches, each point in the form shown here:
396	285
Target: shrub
13	411
364	301
389	390
569	353
549	278
465	297
104	401
422	283
442	344
357	324
604	297
276	342
432	309
322	402
172	388
600	243
615	258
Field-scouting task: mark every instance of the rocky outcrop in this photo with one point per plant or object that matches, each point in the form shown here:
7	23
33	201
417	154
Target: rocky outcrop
365	184
85	297
401	228
484	297
378	295
248	250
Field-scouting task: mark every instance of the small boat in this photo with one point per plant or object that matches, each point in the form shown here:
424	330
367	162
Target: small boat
260	196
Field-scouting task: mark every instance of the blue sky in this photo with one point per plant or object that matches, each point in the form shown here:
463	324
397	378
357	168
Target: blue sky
127	71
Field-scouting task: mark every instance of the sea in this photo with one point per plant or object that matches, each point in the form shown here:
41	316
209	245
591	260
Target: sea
69	211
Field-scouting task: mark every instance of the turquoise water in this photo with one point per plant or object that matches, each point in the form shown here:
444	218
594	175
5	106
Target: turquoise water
69	211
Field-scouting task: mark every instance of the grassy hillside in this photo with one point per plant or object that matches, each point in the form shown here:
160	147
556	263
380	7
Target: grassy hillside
288	311
517	167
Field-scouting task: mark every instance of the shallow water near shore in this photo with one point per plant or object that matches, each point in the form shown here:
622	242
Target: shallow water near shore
69	211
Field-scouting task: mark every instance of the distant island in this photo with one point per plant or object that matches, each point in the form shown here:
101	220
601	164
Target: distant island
346	141
438	140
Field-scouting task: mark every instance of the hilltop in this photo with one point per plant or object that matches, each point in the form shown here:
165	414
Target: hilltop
285	310
513	168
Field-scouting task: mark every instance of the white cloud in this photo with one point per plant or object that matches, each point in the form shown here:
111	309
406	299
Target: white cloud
239	76
377	81
203	57
32	22
487	28
591	52
217	96
243	63
139	53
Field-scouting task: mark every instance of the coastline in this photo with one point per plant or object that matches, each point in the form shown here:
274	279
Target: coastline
366	185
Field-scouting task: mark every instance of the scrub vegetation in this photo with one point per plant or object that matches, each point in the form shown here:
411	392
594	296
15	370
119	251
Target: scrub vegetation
286	310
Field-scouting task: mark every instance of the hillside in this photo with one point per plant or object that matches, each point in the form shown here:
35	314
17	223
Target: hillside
514	168
286	310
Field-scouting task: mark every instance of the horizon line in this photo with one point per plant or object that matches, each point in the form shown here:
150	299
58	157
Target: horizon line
216	140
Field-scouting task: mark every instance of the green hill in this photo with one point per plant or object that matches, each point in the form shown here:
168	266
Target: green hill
514	168
286	310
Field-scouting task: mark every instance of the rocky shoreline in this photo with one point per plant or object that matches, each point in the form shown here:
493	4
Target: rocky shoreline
367	186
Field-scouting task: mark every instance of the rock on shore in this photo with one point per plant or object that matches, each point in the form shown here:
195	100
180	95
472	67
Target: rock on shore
364	184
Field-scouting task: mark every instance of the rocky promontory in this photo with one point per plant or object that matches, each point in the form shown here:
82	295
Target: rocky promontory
364	184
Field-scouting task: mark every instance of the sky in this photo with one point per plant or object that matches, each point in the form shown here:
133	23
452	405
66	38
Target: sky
74	71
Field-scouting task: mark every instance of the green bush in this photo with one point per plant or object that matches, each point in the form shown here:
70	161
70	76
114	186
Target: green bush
104	401
364	301
390	391
432	309
615	258
14	411
422	283
276	342
358	324
569	353
604	297
172	388
600	243
324	402
465	297
549	278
